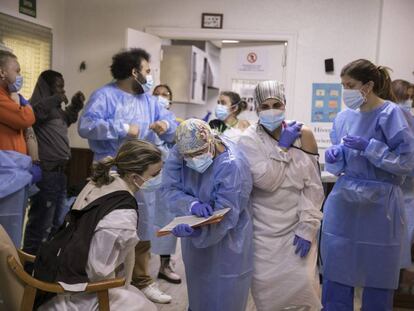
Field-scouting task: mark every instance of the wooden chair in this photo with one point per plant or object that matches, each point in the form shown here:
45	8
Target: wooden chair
19	289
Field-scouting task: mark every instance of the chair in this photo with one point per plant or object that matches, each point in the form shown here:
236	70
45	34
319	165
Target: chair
18	288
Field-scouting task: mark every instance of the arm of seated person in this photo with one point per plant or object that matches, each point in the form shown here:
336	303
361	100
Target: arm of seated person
308	140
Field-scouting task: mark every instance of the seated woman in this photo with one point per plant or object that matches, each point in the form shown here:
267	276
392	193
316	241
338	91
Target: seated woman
99	235
204	174
286	201
229	106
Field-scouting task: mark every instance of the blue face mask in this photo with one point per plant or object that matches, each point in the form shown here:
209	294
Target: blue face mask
164	102
149	84
271	119
221	112
200	163
151	184
353	99
17	85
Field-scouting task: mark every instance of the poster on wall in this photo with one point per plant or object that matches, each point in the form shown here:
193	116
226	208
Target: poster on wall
253	60
326	101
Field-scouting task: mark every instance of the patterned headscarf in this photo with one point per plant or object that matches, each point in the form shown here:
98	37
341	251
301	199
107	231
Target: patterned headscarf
193	135
269	89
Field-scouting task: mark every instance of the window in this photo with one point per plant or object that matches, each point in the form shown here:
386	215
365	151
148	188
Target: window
31	43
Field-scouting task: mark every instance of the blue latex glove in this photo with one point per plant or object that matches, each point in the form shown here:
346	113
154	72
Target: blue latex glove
23	101
356	142
332	154
302	246
201	210
36	172
185	231
290	134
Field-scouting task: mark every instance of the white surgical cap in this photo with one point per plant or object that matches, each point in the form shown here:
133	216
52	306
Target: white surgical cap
269	89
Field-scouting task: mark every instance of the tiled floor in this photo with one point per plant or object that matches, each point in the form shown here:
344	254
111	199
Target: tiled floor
179	292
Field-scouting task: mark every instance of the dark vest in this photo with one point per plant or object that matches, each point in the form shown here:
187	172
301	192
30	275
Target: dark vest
64	256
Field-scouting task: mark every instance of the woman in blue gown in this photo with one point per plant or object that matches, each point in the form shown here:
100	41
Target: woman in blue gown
204	174
364	226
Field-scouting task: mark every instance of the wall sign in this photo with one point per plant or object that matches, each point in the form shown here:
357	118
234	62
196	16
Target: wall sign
28	7
212	20
326	101
253	60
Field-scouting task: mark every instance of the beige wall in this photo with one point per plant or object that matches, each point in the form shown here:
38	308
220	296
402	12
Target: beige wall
94	30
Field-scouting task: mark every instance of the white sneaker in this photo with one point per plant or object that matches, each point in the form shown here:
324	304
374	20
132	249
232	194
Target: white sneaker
153	293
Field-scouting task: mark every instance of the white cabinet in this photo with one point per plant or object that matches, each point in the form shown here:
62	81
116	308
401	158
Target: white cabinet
184	69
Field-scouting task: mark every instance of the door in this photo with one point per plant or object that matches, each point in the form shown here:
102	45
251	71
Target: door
245	64
150	43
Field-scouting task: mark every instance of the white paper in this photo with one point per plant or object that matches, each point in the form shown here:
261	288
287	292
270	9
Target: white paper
193	220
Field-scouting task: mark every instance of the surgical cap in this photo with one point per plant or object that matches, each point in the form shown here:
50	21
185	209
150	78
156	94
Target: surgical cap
269	89
193	135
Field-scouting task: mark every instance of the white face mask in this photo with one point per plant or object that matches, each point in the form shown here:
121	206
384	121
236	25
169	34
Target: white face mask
163	101
406	105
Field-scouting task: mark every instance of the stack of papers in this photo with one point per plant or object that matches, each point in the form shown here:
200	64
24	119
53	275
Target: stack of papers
194	221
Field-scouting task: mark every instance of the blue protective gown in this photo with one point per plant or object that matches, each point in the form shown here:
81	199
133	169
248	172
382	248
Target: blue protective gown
103	122
165	245
15	179
107	112
364	226
408	192
218	262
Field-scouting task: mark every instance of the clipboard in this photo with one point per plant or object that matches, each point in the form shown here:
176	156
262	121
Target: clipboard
193	221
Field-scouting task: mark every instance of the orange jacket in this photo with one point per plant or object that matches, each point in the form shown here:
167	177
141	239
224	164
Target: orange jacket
13	120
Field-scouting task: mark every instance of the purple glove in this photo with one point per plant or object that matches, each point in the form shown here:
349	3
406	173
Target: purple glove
185	231
332	154
356	142
23	101
36	172
302	246
290	134
201	210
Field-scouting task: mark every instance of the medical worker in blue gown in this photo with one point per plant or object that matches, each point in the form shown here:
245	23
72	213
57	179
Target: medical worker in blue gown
123	110
15	180
204	174
404	94
166	245
364	226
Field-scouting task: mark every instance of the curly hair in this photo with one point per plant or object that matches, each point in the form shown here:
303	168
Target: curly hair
125	61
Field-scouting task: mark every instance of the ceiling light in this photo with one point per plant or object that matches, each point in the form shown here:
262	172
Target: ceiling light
230	41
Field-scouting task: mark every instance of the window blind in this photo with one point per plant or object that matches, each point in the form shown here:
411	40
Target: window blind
31	43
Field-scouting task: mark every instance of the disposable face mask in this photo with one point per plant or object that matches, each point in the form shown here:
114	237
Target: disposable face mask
200	163
406	105
149	84
17	85
150	184
353	99
141	86
272	118
222	112
163	101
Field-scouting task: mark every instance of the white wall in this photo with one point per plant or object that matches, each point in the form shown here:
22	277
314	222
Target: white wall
344	30
94	30
50	13
397	38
